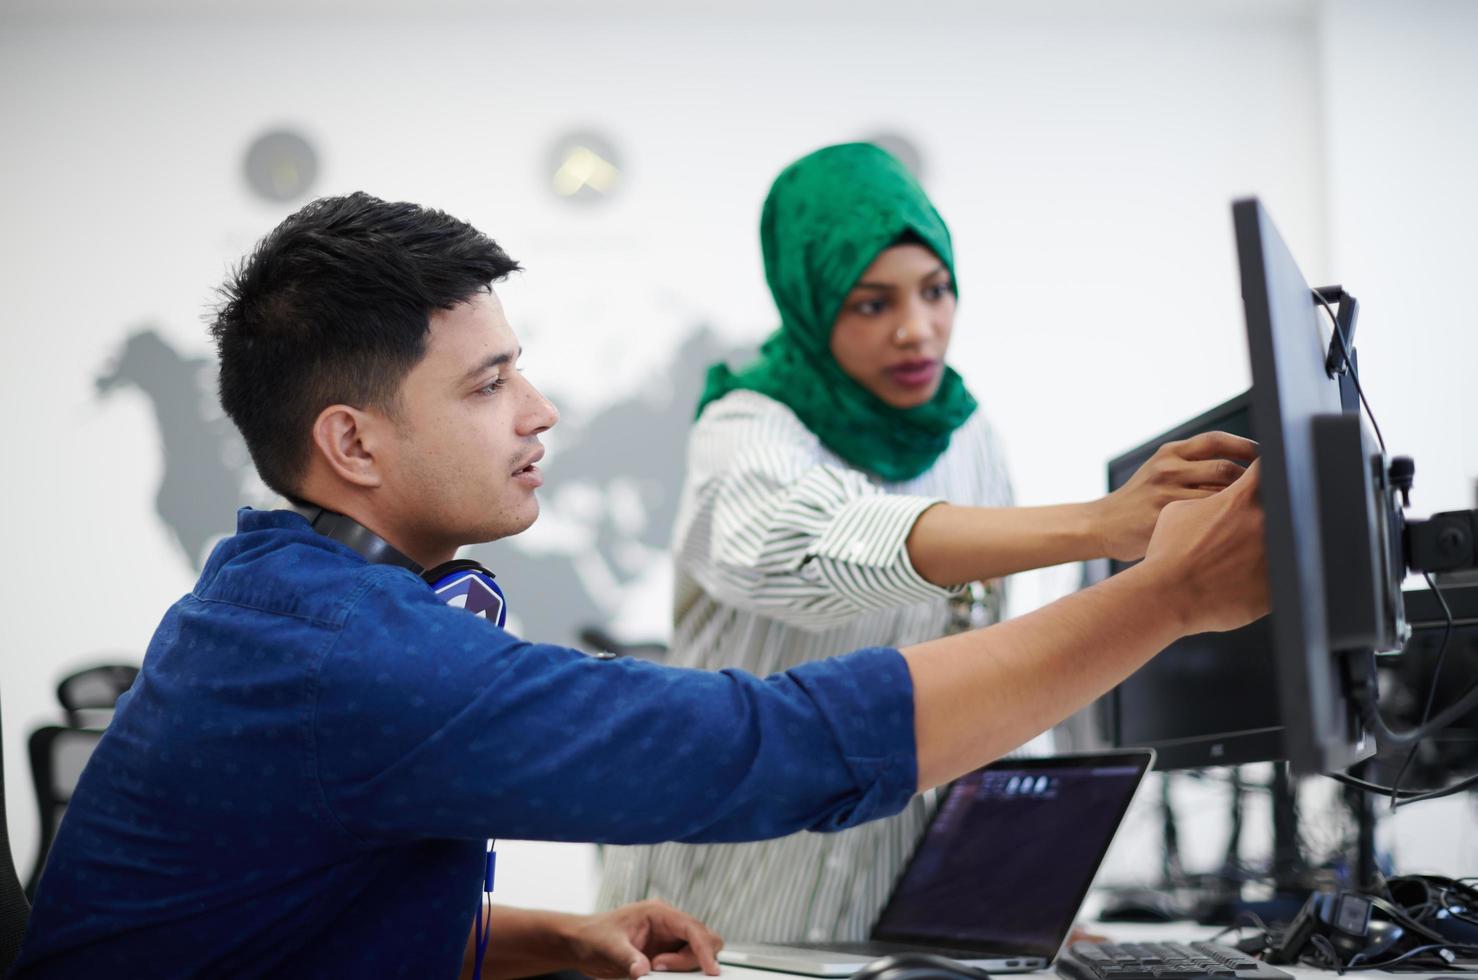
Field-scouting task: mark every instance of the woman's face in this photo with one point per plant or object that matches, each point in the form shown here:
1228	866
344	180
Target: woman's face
893	330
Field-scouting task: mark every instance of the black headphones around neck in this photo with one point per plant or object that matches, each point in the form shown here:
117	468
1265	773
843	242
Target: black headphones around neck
460	582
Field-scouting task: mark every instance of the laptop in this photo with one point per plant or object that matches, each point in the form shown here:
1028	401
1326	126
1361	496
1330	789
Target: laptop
999	875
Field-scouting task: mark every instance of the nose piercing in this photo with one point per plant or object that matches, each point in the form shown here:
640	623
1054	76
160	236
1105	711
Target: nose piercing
900	334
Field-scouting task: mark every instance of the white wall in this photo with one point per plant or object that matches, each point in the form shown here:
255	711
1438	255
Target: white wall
1400	83
1084	154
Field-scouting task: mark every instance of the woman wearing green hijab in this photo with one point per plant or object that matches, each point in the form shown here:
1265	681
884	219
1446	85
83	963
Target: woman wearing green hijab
844	490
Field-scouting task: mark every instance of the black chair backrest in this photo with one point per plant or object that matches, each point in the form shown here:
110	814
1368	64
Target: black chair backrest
58	755
89	695
596	639
15	911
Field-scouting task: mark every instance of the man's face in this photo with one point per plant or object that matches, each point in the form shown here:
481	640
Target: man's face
459	466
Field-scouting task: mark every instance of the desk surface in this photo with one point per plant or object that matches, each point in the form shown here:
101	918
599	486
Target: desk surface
1300	972
1127	932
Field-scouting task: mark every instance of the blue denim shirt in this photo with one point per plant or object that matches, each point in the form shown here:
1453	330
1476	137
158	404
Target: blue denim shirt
303	776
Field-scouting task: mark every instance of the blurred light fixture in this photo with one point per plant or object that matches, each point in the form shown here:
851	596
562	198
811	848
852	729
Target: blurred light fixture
905	149
281	165
584	166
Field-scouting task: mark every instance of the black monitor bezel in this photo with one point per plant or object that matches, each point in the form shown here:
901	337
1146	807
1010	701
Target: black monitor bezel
1286	348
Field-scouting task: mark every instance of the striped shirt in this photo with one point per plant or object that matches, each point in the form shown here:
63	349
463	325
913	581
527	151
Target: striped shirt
785	553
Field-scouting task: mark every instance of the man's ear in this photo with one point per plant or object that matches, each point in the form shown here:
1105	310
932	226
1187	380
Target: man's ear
346	438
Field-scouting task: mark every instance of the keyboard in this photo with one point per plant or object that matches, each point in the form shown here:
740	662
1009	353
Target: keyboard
1162	961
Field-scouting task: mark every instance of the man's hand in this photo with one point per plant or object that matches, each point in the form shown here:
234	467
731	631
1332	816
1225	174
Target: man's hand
633	940
1185	470
1210	553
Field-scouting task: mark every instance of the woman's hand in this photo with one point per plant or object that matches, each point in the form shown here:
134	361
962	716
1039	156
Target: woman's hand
1185	470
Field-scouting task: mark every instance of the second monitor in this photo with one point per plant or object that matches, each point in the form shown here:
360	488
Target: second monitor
1209	699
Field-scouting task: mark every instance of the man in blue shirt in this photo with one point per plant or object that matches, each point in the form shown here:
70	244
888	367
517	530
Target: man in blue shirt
302	780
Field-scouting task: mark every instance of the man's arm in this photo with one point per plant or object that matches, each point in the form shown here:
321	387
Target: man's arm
949	545
979	695
630	941
531	741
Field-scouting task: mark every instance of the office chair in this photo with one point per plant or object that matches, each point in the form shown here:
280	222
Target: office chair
89	695
15	910
598	640
58	755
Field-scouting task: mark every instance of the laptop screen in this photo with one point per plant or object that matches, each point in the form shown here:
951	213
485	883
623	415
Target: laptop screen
1011	852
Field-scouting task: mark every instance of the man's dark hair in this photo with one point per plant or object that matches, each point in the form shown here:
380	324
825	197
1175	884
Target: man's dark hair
334	306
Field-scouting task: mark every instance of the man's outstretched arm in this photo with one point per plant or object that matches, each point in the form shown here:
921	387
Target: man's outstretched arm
979	695
539	742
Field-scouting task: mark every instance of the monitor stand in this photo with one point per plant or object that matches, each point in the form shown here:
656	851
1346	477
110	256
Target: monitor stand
1223	904
1216	898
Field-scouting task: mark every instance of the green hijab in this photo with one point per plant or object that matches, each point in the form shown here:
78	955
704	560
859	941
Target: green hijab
827	217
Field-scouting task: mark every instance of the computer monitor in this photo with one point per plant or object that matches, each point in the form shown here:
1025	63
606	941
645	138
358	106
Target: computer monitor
1332	521
1209	699
1283	687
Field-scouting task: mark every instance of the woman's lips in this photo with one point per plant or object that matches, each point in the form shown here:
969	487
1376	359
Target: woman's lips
914	374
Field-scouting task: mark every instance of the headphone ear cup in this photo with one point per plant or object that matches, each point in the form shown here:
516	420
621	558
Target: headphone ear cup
468	585
1409	892
1400	916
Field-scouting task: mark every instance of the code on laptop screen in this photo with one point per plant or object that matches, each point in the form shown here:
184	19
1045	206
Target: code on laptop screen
1008	858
